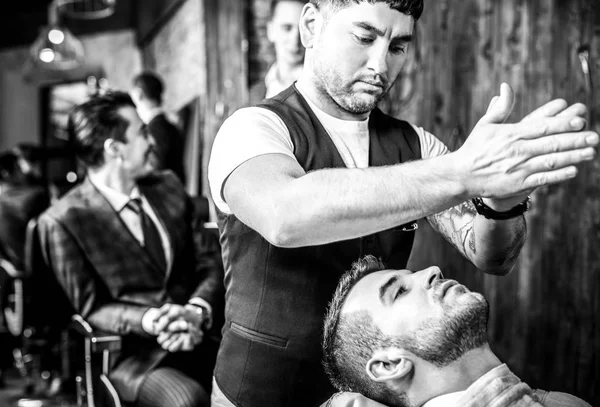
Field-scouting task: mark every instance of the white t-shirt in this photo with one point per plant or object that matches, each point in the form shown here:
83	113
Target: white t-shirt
254	131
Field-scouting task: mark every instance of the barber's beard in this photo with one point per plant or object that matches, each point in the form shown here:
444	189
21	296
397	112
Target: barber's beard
341	91
442	340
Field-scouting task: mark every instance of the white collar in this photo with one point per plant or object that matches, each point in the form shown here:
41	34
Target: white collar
116	199
445	400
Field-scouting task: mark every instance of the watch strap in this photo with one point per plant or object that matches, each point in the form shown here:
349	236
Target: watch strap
490	213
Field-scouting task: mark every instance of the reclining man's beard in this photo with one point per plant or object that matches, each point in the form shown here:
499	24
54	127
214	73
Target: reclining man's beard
441	341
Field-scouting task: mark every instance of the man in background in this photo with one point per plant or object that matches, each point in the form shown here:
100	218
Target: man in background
122	248
284	34
147	94
23	196
412	339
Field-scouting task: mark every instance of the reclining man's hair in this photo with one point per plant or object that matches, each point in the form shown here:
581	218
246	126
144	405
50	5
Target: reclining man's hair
347	349
412	8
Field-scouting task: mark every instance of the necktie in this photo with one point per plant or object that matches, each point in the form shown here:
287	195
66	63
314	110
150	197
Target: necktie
152	240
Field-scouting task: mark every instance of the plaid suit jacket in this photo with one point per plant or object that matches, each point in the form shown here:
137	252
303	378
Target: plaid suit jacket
112	281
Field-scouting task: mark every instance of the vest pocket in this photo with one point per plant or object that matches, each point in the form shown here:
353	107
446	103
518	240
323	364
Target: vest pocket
258	336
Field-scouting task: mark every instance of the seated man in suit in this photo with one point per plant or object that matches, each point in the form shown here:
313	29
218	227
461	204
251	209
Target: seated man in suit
121	246
417	339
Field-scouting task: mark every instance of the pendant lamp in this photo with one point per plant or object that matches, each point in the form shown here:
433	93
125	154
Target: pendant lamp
56	47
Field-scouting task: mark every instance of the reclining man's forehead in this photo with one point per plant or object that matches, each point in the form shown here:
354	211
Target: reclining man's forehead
370	288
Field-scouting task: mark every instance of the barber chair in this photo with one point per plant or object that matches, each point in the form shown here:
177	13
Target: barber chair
95	388
92	388
33	310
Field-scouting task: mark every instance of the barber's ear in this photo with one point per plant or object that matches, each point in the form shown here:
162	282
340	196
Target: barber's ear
311	21
389	364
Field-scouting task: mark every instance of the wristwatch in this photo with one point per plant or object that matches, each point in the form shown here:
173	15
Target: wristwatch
513	212
203	312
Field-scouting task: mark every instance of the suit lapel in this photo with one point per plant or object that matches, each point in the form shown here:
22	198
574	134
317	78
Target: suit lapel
100	212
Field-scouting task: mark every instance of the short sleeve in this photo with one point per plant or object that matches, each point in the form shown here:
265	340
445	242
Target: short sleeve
431	146
246	134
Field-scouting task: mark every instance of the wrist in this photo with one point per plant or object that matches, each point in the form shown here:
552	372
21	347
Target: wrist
202	313
501	210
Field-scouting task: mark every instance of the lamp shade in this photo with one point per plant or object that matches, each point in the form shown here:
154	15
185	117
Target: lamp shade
56	48
86	9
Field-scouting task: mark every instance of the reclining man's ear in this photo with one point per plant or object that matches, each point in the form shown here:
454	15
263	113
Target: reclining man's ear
390	364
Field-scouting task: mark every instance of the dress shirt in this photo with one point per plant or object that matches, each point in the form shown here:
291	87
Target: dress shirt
119	200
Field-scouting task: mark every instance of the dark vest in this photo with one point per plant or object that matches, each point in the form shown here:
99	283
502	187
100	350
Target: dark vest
276	297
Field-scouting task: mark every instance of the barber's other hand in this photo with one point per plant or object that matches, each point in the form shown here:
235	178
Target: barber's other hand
507	162
347	399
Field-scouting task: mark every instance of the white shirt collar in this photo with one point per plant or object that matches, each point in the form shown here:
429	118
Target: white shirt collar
445	400
116	199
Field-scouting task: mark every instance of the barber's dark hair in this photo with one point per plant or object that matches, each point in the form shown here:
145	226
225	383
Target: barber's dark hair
93	122
151	85
347	349
274	4
412	8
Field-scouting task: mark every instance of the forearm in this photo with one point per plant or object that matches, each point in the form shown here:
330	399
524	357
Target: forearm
498	243
491	245
119	318
337	204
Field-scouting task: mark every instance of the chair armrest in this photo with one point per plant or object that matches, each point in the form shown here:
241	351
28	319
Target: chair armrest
11	270
100	341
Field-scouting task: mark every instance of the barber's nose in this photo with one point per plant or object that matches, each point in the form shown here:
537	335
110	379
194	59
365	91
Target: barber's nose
378	60
430	275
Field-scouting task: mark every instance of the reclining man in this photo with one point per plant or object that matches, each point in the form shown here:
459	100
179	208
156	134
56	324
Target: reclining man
121	246
417	339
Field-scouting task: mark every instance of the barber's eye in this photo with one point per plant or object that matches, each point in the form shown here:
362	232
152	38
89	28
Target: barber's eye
398	50
363	40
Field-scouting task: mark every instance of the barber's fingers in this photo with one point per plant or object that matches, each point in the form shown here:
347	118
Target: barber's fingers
492	102
585	140
576	109
549	177
549	109
556	161
500	107
541	127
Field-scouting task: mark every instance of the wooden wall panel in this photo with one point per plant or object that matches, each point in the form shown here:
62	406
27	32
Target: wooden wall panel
545	315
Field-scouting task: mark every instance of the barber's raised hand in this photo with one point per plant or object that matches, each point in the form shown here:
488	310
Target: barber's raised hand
508	161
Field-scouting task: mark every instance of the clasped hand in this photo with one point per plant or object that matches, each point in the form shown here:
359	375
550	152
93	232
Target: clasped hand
178	327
